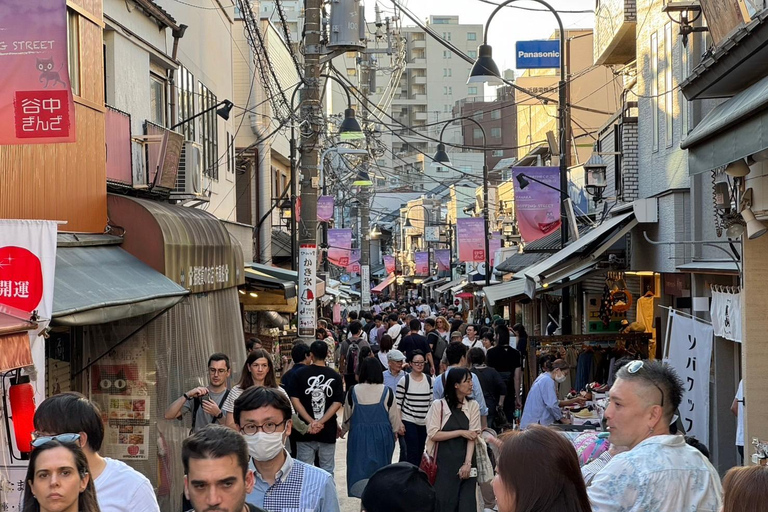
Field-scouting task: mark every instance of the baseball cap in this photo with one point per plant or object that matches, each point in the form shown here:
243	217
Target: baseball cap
399	487
395	355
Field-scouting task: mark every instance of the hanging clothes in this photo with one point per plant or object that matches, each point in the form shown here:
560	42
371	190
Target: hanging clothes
584	369
645	317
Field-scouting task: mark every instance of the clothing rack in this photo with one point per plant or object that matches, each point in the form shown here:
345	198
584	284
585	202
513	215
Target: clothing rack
725	289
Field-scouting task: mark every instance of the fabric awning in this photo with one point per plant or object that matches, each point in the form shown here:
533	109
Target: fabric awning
460	286
733	130
99	284
505	291
447	286
379	288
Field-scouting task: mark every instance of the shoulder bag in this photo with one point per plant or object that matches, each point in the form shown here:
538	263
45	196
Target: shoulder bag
429	462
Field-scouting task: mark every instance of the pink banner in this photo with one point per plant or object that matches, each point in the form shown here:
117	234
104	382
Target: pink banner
340	246
470	237
36	104
354	262
421	259
537	207
494	244
389	264
443	257
324	208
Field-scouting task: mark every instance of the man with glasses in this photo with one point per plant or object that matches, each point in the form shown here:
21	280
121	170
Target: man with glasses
659	471
263	416
205	402
119	487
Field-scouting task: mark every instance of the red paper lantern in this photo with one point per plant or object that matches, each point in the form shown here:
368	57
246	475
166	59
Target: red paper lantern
22	396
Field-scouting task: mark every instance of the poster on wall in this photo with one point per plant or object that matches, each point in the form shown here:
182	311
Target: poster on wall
127	437
470	237
36	105
537	206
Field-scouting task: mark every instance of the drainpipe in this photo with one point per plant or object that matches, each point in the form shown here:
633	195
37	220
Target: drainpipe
261	179
177	34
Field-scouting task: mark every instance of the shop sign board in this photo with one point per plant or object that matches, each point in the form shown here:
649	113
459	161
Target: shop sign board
307	311
36	105
538	54
365	286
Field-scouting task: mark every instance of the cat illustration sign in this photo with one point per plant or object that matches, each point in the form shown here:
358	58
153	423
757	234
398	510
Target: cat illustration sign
36	104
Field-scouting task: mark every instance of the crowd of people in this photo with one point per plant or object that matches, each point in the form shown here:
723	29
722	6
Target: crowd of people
410	383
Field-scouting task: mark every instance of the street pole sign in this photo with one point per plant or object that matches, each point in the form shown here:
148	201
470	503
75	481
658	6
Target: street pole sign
307	311
365	286
537	54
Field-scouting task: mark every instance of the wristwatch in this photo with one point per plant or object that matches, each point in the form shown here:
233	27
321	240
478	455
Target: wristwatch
221	415
186	396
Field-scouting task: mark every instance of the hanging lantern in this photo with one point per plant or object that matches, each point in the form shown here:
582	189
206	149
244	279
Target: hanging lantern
22	396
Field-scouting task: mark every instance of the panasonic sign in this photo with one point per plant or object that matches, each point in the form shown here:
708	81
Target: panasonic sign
537	54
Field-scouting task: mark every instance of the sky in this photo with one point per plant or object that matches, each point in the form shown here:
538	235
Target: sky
507	27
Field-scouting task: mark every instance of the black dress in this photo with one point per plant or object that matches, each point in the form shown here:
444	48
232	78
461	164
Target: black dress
452	493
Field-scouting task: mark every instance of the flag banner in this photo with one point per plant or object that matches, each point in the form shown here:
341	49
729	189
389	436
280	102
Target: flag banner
389	264
443	258
421	258
325	208
36	104
537	207
470	237
354	262
494	244
690	353
307	312
725	311
340	246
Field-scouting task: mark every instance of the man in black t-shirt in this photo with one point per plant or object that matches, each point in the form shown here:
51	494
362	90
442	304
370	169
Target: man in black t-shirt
507	361
415	341
317	394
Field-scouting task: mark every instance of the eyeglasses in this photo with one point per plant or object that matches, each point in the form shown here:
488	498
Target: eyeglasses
636	366
39	440
268	428
220	371
420	363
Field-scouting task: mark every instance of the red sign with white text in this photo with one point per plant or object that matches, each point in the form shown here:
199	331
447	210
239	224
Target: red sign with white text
21	278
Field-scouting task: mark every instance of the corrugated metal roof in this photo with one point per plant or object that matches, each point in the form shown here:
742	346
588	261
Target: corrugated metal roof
520	261
551	242
281	243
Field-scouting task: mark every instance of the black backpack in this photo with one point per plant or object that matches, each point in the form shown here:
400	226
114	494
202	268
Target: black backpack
440	346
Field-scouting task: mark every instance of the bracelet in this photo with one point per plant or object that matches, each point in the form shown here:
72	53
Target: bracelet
467	464
186	396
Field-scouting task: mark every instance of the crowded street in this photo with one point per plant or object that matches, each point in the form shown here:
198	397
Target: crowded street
383	255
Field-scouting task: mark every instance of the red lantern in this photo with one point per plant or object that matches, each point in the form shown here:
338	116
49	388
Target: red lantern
22	396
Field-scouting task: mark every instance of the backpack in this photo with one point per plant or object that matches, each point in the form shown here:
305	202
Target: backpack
353	353
440	346
408	381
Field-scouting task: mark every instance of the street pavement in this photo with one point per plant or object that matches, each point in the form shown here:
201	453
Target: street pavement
346	504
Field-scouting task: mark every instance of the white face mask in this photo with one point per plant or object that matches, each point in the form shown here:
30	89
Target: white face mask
264	447
561	378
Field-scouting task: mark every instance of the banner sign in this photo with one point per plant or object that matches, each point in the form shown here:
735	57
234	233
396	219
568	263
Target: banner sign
494	244
421	259
324	208
307	312
537	207
36	104
470	237
389	264
690	353
340	246
354	262
725	311
538	54
365	287
443	258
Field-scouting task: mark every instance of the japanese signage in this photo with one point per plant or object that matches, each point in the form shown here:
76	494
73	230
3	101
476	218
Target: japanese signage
324	208
725	312
470	236
421	259
340	247
365	286
36	104
306	308
443	258
389	264
12	488
537	54
690	353
537	206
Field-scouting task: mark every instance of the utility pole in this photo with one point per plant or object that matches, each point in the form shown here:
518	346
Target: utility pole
308	172
365	238
565	162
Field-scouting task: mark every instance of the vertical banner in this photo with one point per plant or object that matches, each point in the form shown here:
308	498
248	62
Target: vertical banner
365	286
36	104
470	237
494	244
537	207
443	258
354	262
324	208
389	264
690	353
725	311
307	312
340	246
421	259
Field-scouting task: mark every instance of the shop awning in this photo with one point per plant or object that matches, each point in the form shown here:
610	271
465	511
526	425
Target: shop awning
450	284
506	291
520	261
379	288
459	287
264	280
282	274
733	130
15	349
99	284
710	267
436	282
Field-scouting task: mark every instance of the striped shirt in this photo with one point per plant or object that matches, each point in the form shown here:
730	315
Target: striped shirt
414	404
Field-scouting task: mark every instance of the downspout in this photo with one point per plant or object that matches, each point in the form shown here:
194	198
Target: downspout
261	181
177	34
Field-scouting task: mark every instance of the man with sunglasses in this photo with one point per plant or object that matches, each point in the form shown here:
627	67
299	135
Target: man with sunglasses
263	416
70	417
659	471
205	402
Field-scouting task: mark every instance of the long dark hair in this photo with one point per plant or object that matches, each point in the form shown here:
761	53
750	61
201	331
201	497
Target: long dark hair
246	379
503	333
455	376
521	332
540	469
370	371
385	344
86	502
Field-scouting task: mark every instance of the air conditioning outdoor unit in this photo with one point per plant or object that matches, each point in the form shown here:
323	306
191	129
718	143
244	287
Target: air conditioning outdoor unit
190	177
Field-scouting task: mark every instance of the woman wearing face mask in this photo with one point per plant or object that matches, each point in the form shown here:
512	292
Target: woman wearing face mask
542	405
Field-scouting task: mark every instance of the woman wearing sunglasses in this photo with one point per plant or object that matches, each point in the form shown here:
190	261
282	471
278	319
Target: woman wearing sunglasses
58	478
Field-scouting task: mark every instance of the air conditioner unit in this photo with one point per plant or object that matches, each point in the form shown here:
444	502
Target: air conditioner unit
189	180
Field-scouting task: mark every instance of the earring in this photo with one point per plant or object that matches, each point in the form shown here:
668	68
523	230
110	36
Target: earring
650	430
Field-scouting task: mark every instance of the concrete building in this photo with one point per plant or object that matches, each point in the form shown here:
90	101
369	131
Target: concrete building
293	11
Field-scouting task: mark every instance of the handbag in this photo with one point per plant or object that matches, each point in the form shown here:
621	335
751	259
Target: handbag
484	464
500	420
429	462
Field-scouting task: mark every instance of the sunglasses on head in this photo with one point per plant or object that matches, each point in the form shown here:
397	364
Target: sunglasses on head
38	440
636	366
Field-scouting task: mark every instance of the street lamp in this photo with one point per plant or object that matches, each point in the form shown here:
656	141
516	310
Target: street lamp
223	108
363	180
486	70
594	176
441	158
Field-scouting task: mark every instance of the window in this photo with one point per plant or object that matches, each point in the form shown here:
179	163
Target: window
73	50
471	36
668	94
157	99
496	133
655	90
472	54
440	21
186	103
496	114
447	36
447	90
477	133
472	90
447	72
477	115
446	54
498	152
209	132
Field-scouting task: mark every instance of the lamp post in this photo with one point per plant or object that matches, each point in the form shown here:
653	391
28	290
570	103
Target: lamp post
441	157
486	70
223	108
426	223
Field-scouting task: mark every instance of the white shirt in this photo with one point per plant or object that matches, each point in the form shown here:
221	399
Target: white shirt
661	473
740	419
120	488
394	333
478	343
